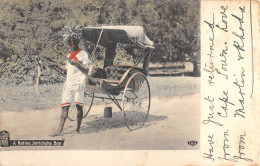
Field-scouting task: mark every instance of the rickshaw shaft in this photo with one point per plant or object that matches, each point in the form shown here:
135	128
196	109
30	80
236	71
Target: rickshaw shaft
115	101
107	98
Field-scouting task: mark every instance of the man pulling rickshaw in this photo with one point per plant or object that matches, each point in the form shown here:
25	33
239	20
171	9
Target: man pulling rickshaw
126	86
73	91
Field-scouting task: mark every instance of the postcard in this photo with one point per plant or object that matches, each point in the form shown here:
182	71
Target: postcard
131	83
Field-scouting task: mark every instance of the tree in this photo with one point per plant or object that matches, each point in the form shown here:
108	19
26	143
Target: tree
29	29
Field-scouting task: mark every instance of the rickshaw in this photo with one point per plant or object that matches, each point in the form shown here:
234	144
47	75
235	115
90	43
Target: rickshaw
126	86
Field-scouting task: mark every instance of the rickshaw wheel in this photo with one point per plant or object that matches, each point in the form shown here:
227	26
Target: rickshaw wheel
88	102
136	101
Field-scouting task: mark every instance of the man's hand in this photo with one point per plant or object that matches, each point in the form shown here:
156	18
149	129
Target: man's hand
79	65
74	62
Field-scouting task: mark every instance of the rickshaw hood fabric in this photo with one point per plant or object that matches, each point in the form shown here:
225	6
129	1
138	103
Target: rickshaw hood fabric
130	35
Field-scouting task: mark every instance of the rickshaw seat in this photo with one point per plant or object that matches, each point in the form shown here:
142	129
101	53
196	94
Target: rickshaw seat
112	74
116	72
112	79
115	87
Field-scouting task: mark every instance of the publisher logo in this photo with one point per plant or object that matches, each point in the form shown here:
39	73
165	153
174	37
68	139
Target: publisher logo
192	143
4	139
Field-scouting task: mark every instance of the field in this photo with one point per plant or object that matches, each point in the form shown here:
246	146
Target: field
174	118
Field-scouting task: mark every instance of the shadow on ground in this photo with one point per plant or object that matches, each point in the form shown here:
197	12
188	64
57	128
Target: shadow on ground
95	123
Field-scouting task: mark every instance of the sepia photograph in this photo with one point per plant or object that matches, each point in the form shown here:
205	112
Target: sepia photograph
100	75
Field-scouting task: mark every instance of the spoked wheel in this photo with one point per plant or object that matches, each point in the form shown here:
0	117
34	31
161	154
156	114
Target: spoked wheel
88	101
136	101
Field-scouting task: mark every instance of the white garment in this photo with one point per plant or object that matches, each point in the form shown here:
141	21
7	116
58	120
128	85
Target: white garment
74	75
76	80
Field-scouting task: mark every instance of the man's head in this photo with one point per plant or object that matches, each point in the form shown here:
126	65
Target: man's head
73	41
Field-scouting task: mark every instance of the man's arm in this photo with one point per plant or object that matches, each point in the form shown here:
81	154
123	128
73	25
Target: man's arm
81	66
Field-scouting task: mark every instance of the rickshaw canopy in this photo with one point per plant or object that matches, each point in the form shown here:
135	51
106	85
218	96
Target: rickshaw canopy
132	36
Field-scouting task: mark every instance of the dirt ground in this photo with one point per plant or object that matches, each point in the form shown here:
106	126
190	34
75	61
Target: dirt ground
171	124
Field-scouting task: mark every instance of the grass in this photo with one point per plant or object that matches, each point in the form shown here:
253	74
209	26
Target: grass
18	98
173	86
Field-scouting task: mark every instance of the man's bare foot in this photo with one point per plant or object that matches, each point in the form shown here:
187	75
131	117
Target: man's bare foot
55	133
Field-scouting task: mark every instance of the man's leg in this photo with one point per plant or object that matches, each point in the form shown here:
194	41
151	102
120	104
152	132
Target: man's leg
64	115
79	116
67	97
79	100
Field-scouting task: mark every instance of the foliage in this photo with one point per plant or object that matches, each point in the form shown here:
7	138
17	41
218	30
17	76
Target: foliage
32	28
